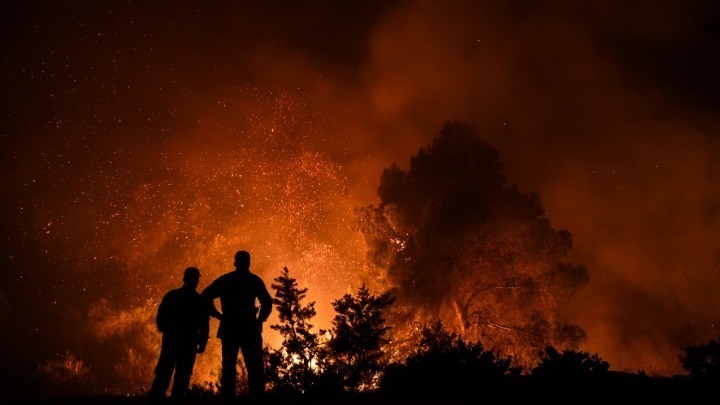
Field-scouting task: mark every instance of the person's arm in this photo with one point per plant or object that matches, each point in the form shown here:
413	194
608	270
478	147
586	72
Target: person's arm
204	332
213	311
265	301
214	290
164	320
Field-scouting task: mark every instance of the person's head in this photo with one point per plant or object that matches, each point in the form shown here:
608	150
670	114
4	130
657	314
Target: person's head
191	278
242	260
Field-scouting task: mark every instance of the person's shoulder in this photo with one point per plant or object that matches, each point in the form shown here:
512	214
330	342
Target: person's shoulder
256	279
190	292
223	278
173	293
194	294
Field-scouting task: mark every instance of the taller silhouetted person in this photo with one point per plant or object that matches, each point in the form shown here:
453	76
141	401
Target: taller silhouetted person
183	318
240	324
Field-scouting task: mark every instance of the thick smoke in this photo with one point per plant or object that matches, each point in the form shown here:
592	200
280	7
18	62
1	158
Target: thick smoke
456	241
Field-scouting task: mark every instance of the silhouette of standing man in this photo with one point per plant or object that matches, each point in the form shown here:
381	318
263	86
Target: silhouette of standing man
183	318
240	324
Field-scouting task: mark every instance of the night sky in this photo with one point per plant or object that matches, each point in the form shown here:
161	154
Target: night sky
139	138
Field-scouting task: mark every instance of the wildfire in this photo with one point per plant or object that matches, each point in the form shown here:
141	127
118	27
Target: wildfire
67	366
274	195
290	207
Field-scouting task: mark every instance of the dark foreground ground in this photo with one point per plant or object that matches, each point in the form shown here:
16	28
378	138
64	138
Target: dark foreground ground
616	390
510	399
217	401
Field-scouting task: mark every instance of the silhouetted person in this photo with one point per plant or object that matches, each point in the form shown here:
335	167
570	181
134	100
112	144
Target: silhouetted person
183	318
240	324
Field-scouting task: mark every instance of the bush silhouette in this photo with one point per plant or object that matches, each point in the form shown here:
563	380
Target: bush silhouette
445	365
569	365
702	361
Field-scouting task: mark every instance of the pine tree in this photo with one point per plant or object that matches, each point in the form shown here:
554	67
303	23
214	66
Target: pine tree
291	368
358	337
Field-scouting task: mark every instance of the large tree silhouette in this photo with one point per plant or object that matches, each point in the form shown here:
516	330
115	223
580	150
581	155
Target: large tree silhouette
456	241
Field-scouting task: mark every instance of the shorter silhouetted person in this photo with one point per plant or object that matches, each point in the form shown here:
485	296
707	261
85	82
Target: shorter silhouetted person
183	318
240	324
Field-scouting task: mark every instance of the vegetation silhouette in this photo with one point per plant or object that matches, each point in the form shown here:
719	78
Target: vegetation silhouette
702	361
444	365
355	349
291	368
569	365
347	359
350	362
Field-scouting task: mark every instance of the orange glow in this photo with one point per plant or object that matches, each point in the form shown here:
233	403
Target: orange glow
139	139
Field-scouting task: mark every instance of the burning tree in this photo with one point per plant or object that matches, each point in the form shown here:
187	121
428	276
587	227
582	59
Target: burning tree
291	368
456	241
355	351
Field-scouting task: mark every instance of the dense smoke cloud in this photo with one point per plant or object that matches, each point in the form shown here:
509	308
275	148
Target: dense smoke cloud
128	130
